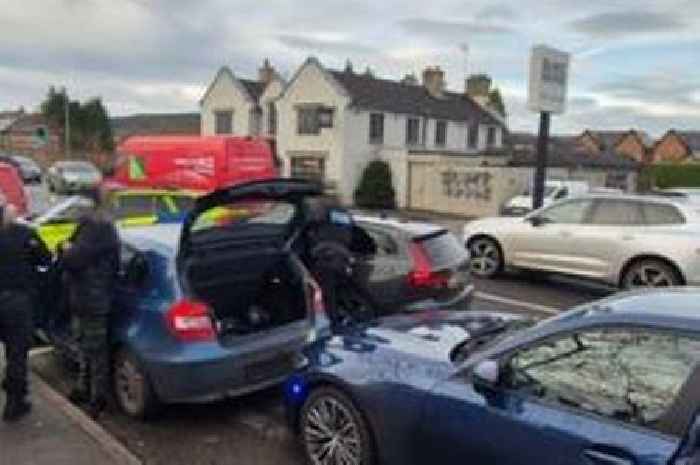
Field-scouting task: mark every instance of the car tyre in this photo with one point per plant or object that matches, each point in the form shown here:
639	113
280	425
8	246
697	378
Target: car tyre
650	273
133	390
332	426
486	257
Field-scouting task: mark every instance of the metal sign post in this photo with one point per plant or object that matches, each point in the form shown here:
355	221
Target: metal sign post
549	69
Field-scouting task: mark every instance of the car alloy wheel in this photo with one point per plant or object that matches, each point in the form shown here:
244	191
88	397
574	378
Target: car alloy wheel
486	259
333	431
650	273
132	388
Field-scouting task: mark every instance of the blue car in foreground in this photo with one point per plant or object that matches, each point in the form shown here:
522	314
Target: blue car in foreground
615	382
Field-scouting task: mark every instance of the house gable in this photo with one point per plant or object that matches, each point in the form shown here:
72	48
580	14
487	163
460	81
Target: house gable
671	148
227	93
312	71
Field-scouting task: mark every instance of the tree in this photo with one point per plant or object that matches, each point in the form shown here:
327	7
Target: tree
375	189
496	102
89	122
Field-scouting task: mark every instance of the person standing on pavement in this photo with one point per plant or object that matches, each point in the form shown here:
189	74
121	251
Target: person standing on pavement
23	252
91	260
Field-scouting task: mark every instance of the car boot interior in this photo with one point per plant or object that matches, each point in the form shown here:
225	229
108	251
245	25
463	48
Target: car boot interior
251	286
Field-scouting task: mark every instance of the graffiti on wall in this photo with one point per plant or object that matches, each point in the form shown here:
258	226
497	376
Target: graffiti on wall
467	185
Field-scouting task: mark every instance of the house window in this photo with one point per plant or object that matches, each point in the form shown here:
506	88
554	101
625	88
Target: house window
311	168
473	136
376	128
412	131
311	119
255	121
271	118
440	133
491	137
223	122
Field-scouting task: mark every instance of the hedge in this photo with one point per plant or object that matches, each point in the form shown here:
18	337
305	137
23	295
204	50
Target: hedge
375	190
666	176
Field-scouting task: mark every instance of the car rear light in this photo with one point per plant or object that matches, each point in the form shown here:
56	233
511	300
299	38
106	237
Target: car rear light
190	321
422	275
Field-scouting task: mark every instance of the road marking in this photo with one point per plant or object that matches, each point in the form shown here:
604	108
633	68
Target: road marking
516	303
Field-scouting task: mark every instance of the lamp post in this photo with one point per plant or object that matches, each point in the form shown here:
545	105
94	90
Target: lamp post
66	124
549	69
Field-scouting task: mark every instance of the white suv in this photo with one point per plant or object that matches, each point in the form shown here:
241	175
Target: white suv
624	240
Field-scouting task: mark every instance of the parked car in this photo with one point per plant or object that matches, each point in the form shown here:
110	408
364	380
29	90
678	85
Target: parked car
415	265
627	241
28	169
206	310
611	382
71	176
553	190
12	188
130	207
193	162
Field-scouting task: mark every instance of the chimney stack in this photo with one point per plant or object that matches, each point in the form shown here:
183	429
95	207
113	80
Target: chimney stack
434	81
478	85
266	73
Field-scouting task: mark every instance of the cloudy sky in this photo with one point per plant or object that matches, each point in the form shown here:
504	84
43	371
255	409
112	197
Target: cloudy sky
636	63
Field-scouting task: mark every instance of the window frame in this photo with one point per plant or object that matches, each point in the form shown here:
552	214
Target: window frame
311	118
678	211
491	136
389	236
217	115
271	118
376	128
441	133
506	357
413	141
598	202
586	214
473	136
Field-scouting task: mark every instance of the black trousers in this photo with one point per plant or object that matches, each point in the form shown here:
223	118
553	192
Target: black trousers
16	328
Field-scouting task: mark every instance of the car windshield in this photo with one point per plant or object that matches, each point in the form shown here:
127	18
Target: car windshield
78	167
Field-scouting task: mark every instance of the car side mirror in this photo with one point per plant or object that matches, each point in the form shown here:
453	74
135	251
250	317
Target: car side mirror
486	374
537	221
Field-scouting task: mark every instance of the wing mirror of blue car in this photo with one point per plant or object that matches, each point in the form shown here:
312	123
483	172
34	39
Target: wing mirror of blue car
486	374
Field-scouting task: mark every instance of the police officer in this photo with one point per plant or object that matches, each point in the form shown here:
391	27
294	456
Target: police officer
91	260
23	252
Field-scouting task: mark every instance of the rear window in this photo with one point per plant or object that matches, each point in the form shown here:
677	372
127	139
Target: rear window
264	217
659	214
130	206
443	248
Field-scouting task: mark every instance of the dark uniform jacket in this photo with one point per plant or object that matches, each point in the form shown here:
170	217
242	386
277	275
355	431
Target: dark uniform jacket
22	252
92	263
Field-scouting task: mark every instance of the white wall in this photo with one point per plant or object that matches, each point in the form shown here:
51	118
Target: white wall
272	92
225	95
313	86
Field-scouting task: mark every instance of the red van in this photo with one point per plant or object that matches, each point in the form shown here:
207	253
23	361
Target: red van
12	187
191	162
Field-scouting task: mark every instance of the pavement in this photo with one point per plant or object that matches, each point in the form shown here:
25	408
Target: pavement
56	433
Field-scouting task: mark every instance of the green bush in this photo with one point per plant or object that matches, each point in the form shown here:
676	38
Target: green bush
375	189
666	176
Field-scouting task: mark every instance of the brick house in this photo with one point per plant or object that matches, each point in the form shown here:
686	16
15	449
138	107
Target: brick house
29	134
632	143
676	147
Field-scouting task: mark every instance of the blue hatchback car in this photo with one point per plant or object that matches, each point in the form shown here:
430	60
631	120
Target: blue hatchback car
215	307
611	383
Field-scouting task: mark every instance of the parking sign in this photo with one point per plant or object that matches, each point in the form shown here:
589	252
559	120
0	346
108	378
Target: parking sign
549	73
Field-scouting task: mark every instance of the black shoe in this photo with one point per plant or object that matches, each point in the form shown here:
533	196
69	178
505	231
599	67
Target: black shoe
78	397
15	410
95	408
